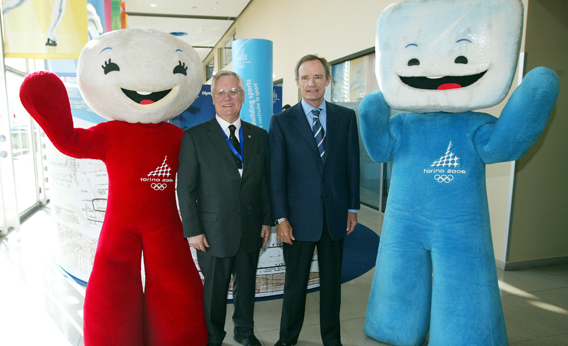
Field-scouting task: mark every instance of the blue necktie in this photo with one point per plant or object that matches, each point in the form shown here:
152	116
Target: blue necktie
319	133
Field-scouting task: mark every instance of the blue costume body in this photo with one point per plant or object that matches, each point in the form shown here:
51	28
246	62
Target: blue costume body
435	269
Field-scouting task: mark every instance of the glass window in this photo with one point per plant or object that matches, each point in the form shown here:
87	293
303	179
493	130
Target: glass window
210	68
24	147
351	81
226	52
17	64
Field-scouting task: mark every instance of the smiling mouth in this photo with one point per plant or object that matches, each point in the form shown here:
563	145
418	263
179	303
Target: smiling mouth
145	98
443	83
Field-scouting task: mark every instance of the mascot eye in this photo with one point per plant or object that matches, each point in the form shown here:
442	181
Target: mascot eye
109	66
461	60
181	68
413	62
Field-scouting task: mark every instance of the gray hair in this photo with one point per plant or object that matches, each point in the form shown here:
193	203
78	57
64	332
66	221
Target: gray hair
311	57
225	73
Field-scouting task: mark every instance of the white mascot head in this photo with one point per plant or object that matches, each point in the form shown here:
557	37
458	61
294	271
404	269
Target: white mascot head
451	56
139	76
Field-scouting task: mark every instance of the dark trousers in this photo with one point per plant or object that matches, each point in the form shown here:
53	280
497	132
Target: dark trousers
298	258
217	276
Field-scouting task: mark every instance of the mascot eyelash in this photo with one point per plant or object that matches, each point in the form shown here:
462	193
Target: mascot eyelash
181	68
109	66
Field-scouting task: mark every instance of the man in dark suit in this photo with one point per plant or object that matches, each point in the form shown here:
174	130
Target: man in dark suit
313	165
224	206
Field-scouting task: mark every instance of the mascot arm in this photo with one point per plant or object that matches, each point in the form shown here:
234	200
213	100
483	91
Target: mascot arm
374	114
44	96
523	119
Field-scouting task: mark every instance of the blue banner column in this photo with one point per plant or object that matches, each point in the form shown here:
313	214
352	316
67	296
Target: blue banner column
252	60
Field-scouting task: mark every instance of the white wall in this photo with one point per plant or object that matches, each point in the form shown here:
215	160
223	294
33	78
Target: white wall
539	232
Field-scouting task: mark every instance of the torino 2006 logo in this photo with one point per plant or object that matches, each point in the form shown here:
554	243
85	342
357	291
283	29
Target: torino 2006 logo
443	178
159	186
159	177
442	168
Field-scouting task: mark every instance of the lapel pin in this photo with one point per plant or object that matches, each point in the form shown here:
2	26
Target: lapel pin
249	136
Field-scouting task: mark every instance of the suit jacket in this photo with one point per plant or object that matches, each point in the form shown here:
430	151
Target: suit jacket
300	184
213	198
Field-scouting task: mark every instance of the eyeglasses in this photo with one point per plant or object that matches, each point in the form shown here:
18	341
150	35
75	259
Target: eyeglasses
232	92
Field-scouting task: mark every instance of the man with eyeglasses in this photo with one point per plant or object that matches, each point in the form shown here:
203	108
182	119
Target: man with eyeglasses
224	205
313	178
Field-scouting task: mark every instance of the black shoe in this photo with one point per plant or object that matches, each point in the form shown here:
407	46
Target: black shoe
278	343
51	43
247	340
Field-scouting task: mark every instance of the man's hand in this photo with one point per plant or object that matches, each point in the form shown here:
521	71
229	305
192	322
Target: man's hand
199	242
351	222
284	232
265	234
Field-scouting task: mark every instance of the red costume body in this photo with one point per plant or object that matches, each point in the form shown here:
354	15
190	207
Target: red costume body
141	218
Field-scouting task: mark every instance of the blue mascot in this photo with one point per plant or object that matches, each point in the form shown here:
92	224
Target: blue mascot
437	62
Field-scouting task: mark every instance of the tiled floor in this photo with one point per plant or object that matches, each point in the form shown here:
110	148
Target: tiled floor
39	306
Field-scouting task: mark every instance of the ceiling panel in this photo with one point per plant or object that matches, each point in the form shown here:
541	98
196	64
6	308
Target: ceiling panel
203	52
228	8
204	21
200	32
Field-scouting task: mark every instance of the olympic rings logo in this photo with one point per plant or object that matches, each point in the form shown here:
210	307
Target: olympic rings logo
444	178
159	186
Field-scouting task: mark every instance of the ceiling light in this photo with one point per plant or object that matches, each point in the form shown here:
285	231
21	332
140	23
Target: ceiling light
214	8
153	5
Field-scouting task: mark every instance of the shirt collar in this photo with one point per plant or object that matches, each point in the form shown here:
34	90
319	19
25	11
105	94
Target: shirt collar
225	124
308	108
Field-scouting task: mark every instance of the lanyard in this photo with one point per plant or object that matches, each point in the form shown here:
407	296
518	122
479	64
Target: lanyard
240	142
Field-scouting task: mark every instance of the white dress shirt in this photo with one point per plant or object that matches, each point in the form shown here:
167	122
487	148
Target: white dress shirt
225	126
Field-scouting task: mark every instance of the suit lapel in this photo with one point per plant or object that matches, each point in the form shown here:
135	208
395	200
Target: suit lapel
332	123
248	144
299	120
217	137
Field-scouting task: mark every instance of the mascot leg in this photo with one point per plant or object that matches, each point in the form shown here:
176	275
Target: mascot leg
173	298
113	302
398	311
466	306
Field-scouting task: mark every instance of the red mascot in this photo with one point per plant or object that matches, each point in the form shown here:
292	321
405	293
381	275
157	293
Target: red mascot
137	79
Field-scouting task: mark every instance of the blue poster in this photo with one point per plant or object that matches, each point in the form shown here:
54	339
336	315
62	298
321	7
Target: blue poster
252	60
95	27
79	108
276	99
200	111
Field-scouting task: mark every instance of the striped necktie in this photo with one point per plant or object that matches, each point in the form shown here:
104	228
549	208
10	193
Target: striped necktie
319	133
